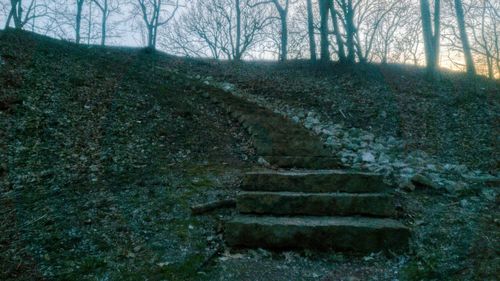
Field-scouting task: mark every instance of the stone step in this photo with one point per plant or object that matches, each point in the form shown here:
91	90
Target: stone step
270	147
352	234
314	181
315	204
304	162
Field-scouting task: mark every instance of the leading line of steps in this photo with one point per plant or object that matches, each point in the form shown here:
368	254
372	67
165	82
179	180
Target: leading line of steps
319	209
322	209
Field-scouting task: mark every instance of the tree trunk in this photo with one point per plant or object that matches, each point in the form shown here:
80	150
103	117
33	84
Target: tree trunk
150	36
90	23
284	36
428	37
437	31
386	53
103	29
361	57
489	61
104	23
79	8
17	11
9	18
469	62
324	43
310	29
237	55
350	30
336	31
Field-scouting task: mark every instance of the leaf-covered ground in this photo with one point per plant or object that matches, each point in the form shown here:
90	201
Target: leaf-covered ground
103	151
101	154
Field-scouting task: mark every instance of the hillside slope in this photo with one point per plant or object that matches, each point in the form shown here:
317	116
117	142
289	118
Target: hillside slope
453	119
99	147
103	151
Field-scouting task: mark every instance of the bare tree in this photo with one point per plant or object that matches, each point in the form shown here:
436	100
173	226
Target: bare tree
337	32
348	11
408	44
431	38
218	28
106	7
324	9
237	52
372	17
21	13
464	38
156	13
310	30
486	34
282	7
481	21
78	20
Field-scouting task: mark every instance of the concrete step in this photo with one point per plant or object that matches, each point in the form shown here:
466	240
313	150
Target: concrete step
304	162
315	204
314	181
323	233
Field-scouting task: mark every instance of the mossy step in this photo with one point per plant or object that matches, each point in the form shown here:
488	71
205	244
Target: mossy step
356	234
314	181
304	162
315	204
270	147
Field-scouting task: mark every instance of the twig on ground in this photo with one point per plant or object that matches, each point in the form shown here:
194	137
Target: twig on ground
341	112
215	253
210	206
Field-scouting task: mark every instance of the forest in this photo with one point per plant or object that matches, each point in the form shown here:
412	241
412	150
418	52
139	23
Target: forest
455	34
244	140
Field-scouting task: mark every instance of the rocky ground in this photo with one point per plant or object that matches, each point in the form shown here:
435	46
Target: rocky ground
452	119
452	207
104	151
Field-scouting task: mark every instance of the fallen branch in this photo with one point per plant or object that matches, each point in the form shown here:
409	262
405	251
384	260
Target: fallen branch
341	112
210	206
214	254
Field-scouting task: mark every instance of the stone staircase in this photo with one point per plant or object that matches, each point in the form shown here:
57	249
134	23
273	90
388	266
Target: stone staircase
277	139
313	208
323	209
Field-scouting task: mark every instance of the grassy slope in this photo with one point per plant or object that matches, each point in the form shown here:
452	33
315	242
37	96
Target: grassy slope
101	152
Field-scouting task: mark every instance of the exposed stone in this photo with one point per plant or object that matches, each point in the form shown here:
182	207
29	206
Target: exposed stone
368	137
407	185
457	187
228	87
407	171
368	157
490	194
421	180
263	162
383	158
353	139
486	180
